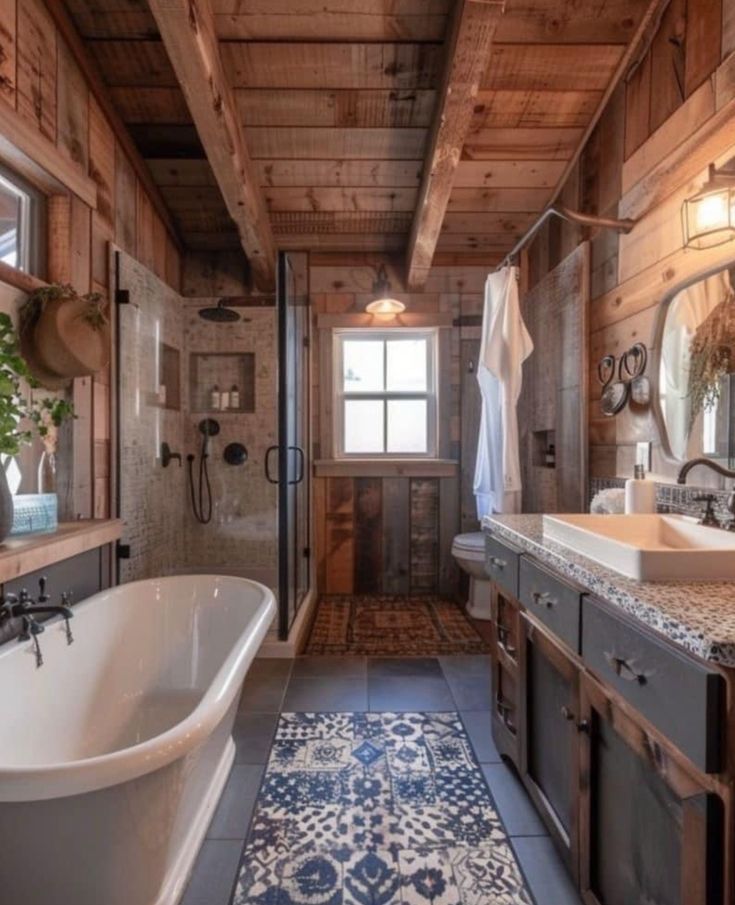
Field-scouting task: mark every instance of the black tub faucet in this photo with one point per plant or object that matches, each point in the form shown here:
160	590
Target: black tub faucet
23	607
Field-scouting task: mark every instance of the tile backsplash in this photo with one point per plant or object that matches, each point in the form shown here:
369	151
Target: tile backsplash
679	498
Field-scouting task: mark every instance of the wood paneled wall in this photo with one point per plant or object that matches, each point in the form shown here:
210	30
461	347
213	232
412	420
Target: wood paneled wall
393	535
674	116
95	198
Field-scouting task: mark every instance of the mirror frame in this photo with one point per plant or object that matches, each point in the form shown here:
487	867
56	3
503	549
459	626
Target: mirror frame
655	357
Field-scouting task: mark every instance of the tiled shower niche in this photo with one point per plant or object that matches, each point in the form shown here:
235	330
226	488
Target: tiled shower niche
222	382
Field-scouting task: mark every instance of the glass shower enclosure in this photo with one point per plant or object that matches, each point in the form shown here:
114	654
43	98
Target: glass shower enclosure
213	433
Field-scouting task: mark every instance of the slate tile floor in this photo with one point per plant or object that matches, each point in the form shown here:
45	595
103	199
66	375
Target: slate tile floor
330	684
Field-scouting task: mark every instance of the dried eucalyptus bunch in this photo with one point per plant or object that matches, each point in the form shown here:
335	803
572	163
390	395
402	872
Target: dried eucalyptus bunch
712	357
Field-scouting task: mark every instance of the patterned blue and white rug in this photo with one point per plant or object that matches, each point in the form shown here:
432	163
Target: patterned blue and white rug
376	809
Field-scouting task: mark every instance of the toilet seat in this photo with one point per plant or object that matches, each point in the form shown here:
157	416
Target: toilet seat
470	546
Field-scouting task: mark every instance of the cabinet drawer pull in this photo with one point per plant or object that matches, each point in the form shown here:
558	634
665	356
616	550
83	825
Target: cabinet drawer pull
622	668
497	562
543	598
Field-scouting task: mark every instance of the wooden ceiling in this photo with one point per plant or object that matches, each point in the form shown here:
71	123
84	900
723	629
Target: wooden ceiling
337	99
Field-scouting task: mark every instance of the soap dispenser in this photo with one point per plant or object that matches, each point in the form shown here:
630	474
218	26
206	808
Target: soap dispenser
640	493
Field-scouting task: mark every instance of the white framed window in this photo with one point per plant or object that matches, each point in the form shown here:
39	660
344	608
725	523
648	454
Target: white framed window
21	223
385	393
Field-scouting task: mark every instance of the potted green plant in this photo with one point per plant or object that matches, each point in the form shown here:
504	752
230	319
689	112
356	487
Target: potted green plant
16	407
67	334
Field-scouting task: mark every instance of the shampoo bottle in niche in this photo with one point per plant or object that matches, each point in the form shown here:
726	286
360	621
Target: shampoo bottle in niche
640	493
215	398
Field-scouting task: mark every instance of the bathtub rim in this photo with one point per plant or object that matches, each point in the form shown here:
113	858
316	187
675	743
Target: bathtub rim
38	782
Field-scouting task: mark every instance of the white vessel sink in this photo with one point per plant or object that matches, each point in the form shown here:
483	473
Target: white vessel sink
648	547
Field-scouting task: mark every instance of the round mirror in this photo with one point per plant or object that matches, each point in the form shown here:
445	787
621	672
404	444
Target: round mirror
696	351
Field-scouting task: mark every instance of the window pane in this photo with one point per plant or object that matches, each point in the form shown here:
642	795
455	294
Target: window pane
364	426
363	365
407	428
11	206
407	365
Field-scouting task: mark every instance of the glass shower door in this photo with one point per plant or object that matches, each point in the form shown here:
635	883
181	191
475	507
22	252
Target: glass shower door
293	446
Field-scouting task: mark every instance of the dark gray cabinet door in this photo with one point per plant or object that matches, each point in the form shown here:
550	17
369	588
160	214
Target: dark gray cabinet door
651	832
549	736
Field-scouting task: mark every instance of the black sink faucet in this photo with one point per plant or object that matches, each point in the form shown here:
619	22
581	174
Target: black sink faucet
709	499
23	607
708	463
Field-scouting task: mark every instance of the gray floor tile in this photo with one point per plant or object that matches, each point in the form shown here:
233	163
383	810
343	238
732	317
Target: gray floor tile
265	685
214	873
324	694
544	872
409	693
253	734
465	666
337	667
232	817
471	692
478	726
514	805
387	667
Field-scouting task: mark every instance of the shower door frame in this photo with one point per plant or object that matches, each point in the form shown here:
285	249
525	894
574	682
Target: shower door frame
294	459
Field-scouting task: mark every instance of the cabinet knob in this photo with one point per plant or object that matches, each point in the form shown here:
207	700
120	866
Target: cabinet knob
583	726
498	563
567	713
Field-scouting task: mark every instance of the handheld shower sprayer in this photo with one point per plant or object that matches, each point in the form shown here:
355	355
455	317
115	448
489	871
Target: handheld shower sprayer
201	497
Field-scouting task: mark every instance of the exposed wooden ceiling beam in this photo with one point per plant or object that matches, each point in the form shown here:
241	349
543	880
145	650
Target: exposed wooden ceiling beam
468	48
188	32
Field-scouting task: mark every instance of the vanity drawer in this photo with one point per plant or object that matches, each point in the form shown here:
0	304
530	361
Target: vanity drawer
681	696
551	600
501	564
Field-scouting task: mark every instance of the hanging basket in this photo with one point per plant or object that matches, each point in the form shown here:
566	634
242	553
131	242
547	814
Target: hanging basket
712	357
64	335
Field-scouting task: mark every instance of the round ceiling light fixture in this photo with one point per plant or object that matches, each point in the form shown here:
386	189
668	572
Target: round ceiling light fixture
383	302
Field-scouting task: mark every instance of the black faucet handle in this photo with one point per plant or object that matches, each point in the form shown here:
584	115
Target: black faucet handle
709	517
24	596
42	595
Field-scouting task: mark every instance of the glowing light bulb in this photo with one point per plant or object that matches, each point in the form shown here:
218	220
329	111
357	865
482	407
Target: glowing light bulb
385	306
712	213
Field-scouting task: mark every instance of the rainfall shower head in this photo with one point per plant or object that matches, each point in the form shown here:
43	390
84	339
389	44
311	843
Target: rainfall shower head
220	313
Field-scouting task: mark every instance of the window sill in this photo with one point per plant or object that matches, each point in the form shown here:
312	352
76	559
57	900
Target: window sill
386	468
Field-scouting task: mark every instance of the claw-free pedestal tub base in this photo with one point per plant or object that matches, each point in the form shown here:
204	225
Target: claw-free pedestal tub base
113	765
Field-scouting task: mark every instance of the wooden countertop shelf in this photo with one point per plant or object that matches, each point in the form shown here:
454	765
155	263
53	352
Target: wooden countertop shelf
24	553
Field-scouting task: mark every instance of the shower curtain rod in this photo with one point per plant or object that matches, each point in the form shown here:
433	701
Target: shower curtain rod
566	213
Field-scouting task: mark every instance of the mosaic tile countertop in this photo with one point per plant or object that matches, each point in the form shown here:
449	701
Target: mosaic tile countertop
698	616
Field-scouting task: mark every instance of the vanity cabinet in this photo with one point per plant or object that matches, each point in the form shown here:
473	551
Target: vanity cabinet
619	738
651	831
549	736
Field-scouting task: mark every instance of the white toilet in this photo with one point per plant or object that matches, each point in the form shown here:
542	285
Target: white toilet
469	551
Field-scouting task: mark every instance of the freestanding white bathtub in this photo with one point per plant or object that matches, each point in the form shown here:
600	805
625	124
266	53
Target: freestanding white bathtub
114	753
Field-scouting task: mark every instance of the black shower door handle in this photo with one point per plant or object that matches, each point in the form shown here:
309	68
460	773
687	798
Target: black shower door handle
302	462
268	464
